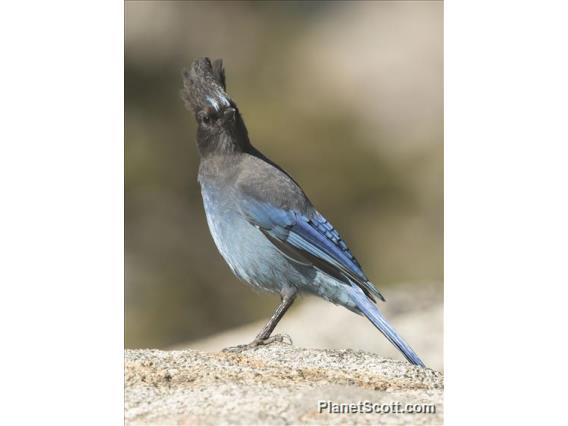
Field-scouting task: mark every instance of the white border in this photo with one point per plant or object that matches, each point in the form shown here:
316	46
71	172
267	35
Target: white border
505	211
61	171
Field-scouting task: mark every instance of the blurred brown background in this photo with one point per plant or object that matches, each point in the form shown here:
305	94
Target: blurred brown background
347	97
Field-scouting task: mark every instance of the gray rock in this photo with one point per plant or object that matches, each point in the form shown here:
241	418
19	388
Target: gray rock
274	385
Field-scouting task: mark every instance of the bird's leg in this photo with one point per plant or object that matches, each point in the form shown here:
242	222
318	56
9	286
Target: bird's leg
264	338
281	309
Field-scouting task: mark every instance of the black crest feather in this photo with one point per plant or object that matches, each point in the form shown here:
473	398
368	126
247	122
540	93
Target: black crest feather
204	86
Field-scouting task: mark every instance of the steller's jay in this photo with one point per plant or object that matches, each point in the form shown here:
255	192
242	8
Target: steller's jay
263	224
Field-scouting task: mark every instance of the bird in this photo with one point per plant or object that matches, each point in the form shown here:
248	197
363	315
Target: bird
263	224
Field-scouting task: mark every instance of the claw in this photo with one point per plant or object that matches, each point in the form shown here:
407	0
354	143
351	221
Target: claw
282	338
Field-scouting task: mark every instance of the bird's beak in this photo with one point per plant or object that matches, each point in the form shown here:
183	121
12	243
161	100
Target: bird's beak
229	114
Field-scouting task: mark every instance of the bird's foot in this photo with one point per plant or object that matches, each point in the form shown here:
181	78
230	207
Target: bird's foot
282	338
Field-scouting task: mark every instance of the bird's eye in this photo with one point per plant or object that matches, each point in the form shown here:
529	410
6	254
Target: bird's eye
204	117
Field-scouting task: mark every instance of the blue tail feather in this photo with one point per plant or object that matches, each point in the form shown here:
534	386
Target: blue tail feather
370	310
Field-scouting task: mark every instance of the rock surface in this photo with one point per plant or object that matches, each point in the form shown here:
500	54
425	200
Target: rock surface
274	385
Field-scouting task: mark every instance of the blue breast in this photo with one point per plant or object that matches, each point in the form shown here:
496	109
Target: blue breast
249	254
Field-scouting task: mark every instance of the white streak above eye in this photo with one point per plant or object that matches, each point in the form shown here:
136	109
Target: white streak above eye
224	99
213	103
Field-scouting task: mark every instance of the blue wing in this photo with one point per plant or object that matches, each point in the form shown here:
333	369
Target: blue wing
308	239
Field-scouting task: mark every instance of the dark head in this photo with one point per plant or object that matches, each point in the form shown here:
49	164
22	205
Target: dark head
220	129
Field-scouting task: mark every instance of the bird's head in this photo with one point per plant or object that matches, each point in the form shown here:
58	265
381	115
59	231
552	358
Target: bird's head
220	126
